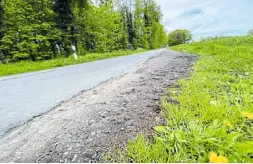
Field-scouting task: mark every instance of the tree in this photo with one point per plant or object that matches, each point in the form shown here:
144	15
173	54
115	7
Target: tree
250	33
128	23
67	11
46	29
159	38
102	29
1	19
2	59
149	33
152	17
139	25
179	37
30	31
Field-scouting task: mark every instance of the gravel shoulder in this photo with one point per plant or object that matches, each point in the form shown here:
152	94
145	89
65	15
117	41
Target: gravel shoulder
95	121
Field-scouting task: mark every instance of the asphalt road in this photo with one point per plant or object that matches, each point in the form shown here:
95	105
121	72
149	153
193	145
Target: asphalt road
27	95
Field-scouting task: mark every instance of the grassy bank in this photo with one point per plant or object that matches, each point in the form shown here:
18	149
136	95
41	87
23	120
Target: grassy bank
29	66
214	121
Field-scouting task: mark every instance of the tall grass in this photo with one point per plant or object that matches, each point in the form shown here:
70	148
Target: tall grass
29	66
214	120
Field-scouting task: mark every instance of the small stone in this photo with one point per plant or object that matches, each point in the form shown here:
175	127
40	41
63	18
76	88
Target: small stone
173	101
62	110
91	122
103	115
129	123
150	105
74	158
156	98
129	131
94	156
122	129
157	109
127	118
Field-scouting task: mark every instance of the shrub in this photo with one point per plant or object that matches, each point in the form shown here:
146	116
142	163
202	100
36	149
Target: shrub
179	37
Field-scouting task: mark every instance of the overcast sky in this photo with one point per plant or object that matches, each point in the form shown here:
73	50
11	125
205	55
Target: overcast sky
208	17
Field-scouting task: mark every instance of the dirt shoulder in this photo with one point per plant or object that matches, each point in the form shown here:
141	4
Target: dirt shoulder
95	121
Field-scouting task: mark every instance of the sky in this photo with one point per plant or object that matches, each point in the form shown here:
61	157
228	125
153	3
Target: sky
208	17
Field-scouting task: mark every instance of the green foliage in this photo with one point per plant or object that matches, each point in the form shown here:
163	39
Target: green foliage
1	31
1	19
104	28
250	33
29	30
47	29
179	37
152	16
29	66
215	113
68	14
159	37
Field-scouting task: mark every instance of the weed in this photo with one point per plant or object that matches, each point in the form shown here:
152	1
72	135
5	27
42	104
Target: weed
214	120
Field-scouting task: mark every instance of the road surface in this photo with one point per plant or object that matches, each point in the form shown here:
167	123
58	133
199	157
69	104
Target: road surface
101	120
27	95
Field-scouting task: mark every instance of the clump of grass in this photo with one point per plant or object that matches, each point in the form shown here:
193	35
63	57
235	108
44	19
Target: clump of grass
214	120
29	66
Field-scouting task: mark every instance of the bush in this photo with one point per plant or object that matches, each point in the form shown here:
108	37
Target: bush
179	37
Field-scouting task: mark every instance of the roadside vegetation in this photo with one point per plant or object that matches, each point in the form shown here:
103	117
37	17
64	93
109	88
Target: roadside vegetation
213	121
30	66
40	31
179	37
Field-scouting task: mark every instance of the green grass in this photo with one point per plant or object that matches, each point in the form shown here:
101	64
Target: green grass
29	66
211	116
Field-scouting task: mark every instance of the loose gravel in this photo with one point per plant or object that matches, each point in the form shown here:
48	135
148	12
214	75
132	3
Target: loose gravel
96	121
